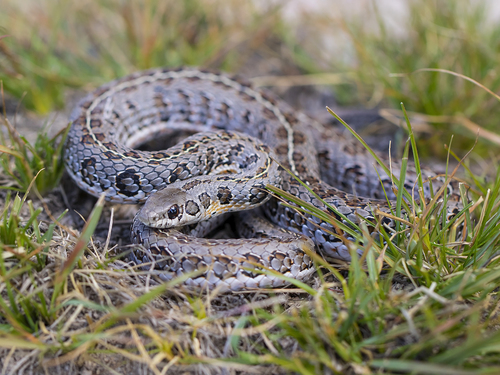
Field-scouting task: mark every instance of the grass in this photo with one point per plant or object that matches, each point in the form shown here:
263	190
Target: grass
422	300
368	319
41	63
388	67
39	166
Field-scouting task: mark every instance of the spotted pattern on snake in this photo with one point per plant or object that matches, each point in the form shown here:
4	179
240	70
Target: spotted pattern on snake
244	137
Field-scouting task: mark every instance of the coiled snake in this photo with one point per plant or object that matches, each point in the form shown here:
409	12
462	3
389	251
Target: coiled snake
225	167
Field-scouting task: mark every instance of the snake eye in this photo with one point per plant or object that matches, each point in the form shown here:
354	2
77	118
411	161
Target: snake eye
173	212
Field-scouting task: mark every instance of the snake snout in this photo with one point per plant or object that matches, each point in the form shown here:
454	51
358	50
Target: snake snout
163	209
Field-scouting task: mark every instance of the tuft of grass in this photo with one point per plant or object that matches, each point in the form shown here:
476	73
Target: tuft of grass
445	35
22	239
43	160
393	61
23	255
360	323
41	163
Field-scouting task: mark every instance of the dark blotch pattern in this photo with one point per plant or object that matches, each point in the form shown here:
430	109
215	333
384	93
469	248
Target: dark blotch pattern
126	180
192	208
224	195
205	200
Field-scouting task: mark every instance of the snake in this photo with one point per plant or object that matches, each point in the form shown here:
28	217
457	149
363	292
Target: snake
242	140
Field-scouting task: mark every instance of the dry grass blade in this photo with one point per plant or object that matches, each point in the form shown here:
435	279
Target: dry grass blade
453	74
84	239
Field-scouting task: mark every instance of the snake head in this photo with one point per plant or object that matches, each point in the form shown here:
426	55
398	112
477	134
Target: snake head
168	208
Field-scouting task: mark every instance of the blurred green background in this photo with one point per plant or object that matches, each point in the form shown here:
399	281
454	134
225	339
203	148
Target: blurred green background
367	52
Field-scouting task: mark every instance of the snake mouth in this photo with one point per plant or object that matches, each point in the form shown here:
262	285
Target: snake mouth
150	221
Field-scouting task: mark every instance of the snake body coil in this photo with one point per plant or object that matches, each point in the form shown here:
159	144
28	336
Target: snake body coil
225	167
